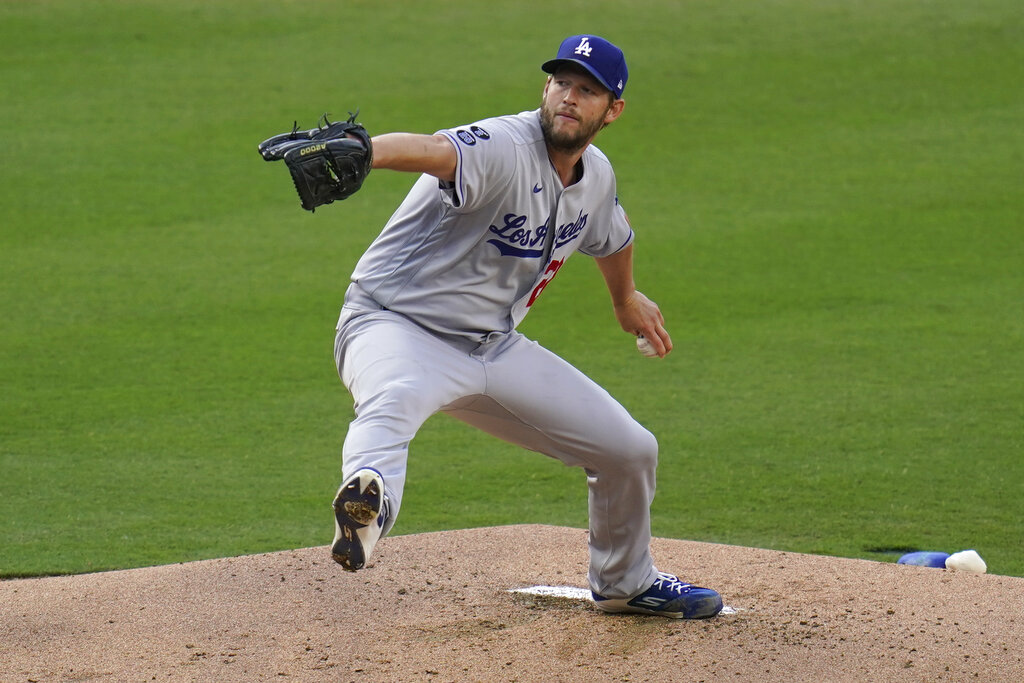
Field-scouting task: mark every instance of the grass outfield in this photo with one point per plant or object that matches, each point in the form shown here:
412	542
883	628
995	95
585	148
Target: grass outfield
828	204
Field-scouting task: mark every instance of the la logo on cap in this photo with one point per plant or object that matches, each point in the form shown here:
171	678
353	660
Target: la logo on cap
584	47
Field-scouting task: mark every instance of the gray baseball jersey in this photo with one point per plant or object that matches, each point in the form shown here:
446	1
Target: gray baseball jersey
470	257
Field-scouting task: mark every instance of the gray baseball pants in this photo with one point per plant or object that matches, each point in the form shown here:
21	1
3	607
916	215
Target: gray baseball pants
399	374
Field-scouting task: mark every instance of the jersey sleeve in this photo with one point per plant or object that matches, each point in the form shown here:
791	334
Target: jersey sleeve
614	236
485	166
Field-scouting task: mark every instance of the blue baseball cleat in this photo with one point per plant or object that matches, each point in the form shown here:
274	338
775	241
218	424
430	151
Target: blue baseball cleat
360	510
667	597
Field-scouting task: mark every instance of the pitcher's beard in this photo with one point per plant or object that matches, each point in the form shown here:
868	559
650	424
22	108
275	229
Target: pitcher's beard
565	141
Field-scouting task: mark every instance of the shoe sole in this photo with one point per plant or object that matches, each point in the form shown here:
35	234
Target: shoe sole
696	607
354	509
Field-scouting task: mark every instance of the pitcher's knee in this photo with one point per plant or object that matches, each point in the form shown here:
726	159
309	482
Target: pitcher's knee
646	453
635	450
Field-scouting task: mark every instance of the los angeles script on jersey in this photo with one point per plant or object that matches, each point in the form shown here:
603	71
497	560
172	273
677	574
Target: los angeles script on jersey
515	240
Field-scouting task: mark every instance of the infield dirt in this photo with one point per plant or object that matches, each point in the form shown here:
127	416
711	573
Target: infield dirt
437	607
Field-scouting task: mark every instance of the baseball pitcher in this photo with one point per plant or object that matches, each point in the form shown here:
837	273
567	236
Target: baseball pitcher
429	320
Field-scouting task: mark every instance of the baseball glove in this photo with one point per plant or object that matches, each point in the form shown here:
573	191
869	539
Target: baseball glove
327	163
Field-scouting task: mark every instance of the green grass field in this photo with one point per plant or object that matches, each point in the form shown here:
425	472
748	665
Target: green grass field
827	197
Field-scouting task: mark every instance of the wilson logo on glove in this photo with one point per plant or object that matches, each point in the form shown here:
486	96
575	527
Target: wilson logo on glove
309	150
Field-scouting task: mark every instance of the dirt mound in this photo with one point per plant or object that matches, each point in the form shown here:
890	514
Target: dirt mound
438	607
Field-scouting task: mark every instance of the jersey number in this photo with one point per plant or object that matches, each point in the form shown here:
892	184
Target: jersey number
552	269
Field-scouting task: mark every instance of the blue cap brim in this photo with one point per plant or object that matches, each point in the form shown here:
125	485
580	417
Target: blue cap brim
551	66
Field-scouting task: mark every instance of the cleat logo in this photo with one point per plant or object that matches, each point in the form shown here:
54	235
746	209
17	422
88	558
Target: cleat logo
650	601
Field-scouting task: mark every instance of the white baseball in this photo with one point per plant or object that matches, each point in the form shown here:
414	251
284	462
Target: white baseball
967	561
645	348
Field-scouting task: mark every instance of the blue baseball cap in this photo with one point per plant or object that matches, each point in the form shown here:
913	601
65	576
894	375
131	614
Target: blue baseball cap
603	60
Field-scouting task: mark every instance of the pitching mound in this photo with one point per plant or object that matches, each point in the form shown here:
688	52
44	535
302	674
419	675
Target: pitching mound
438	607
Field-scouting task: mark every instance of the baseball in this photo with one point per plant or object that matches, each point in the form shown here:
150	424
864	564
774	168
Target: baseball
967	561
645	348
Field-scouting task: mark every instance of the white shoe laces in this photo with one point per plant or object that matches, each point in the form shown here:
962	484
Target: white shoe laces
671	583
